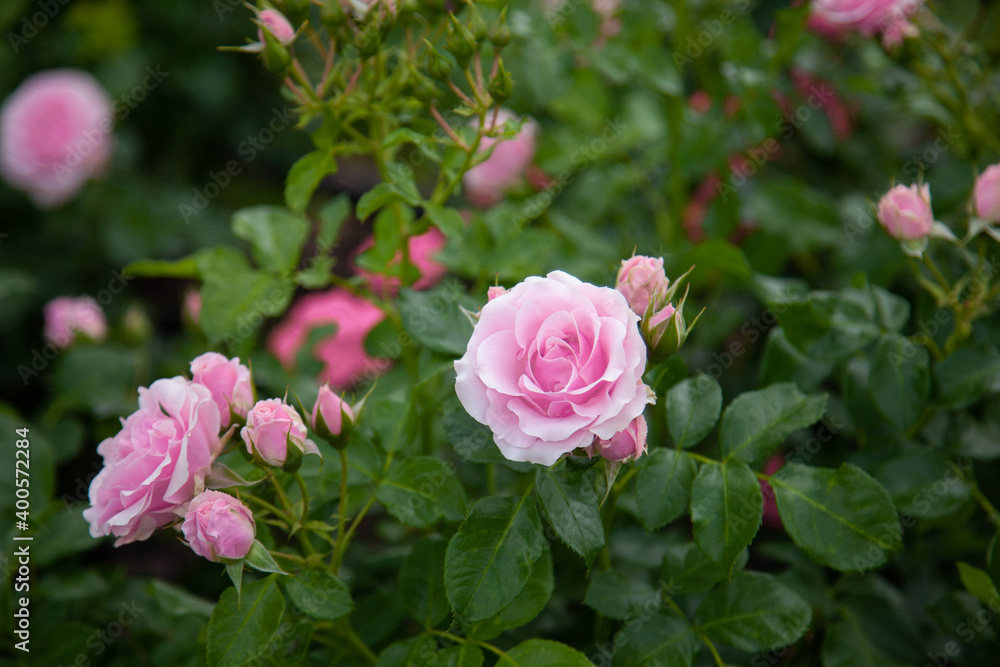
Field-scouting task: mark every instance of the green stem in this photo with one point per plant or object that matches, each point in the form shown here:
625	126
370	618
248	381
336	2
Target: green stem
341	511
348	633
290	513
305	498
983	501
466	640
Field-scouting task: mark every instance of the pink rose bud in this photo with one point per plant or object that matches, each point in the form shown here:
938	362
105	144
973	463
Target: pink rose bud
626	444
343	351
642	280
835	18
228	380
277	25
65	317
55	134
273	425
771	517
495	291
192	306
700	102
905	212
423	248
156	463
332	417
486	183
219	526
987	194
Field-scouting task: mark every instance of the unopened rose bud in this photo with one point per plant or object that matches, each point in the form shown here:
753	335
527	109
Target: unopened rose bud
218	526
501	85
275	23
477	26
629	443
438	67
461	43
642	281
277	60
499	33
987	194
905	212
331	15
496	291
276	433
332	417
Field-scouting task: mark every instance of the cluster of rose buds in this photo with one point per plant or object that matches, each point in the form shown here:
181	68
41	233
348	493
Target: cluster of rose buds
650	294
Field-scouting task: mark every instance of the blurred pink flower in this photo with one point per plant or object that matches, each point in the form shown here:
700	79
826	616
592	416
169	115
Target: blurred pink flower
905	212
277	25
422	248
987	194
55	134
67	316
834	19
486	183
771	517
342	352
811	87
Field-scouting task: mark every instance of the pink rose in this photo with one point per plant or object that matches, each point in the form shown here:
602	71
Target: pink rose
627	443
273	425
771	517
228	380
277	25
55	134
331	415
987	194
552	364
905	212
156	463
192	305
641	279
834	18
495	291
486	183
813	88
66	316
422	249
343	351
218	525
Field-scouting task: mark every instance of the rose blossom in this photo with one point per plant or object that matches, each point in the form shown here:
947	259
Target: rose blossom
277	25
229	382
66	316
551	364
55	135
834	18
486	182
271	426
331	415
905	212
641	279
156	463
627	443
495	291
218	525
987	194
343	351
422	249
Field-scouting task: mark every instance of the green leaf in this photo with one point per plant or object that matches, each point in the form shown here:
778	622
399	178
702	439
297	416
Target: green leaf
687	569
319	594
978	583
726	510
840	518
692	409
617	595
528	604
753	612
448	220
275	236
572	507
472	441
993	559
383	194
662	641
847	645
758	421
543	653
489	559
331	216
435	319
176	601
914	482
422	490
259	558
828	327
239	633
900	380
463	655
305	176
421	582
966	375
417	652
664	484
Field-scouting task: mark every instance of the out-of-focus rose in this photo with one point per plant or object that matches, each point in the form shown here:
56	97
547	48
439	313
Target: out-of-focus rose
277	25
987	194
55	134
817	91
642	280
486	183
551	364
771	517
905	212
495	291
627	443
229	382
156	463
422	249
67	316
273	425
192	305
834	18
218	525
343	352
332	417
